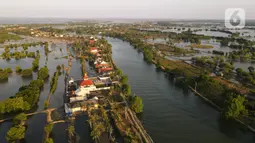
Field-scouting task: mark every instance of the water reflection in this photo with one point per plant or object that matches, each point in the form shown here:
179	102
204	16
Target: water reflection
170	113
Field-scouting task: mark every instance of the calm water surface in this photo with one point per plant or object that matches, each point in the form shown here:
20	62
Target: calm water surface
170	113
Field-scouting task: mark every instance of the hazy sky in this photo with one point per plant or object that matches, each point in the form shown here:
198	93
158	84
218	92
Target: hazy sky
172	9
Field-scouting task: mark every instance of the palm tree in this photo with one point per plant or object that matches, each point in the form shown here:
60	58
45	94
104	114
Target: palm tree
71	130
90	122
95	134
128	131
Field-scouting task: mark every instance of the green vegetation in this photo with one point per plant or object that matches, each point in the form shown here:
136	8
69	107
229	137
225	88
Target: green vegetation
59	68
48	128
124	79
46	104
49	140
15	133
3	76
46	49
126	89
18	119
18	69
54	82
26	72
71	130
38	82
245	54
246	77
24	100
19	55
235	106
136	104
35	64
8	70
43	73
5	36
148	54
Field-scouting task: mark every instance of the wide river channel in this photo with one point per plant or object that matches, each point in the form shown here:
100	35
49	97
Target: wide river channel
171	114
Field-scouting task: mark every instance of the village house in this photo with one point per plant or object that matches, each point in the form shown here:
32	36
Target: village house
102	64
85	87
94	50
105	70
72	108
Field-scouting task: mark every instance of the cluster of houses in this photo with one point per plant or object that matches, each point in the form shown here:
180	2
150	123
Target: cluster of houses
15	28
81	93
39	33
86	93
102	67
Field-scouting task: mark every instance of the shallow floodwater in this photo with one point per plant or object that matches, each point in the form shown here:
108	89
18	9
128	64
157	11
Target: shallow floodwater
244	65
212	33
172	114
36	123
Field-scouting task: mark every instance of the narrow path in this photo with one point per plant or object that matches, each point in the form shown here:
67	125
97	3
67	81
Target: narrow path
48	111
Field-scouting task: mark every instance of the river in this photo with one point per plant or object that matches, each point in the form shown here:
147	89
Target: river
172	114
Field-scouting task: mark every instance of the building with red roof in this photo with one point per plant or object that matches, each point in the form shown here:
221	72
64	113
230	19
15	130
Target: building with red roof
87	82
105	69
94	50
102	64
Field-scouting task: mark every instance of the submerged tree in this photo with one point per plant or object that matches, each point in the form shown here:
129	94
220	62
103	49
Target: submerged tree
43	73
15	133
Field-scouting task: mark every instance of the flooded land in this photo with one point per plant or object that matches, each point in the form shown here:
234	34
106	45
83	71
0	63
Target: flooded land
114	82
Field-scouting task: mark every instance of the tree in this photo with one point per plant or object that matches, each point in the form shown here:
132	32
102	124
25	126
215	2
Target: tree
251	69
124	79
235	106
95	134
18	69
119	72
43	73
239	71
58	68
8	70
71	130
126	89
15	133
49	140
26	72
18	119
136	104
2	107
38	83
48	128
14	104
3	76
148	55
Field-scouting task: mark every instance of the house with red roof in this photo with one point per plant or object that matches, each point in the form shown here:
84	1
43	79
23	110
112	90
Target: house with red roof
86	83
105	70
102	64
93	50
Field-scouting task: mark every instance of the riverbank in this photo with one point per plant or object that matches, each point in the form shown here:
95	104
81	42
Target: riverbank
218	98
